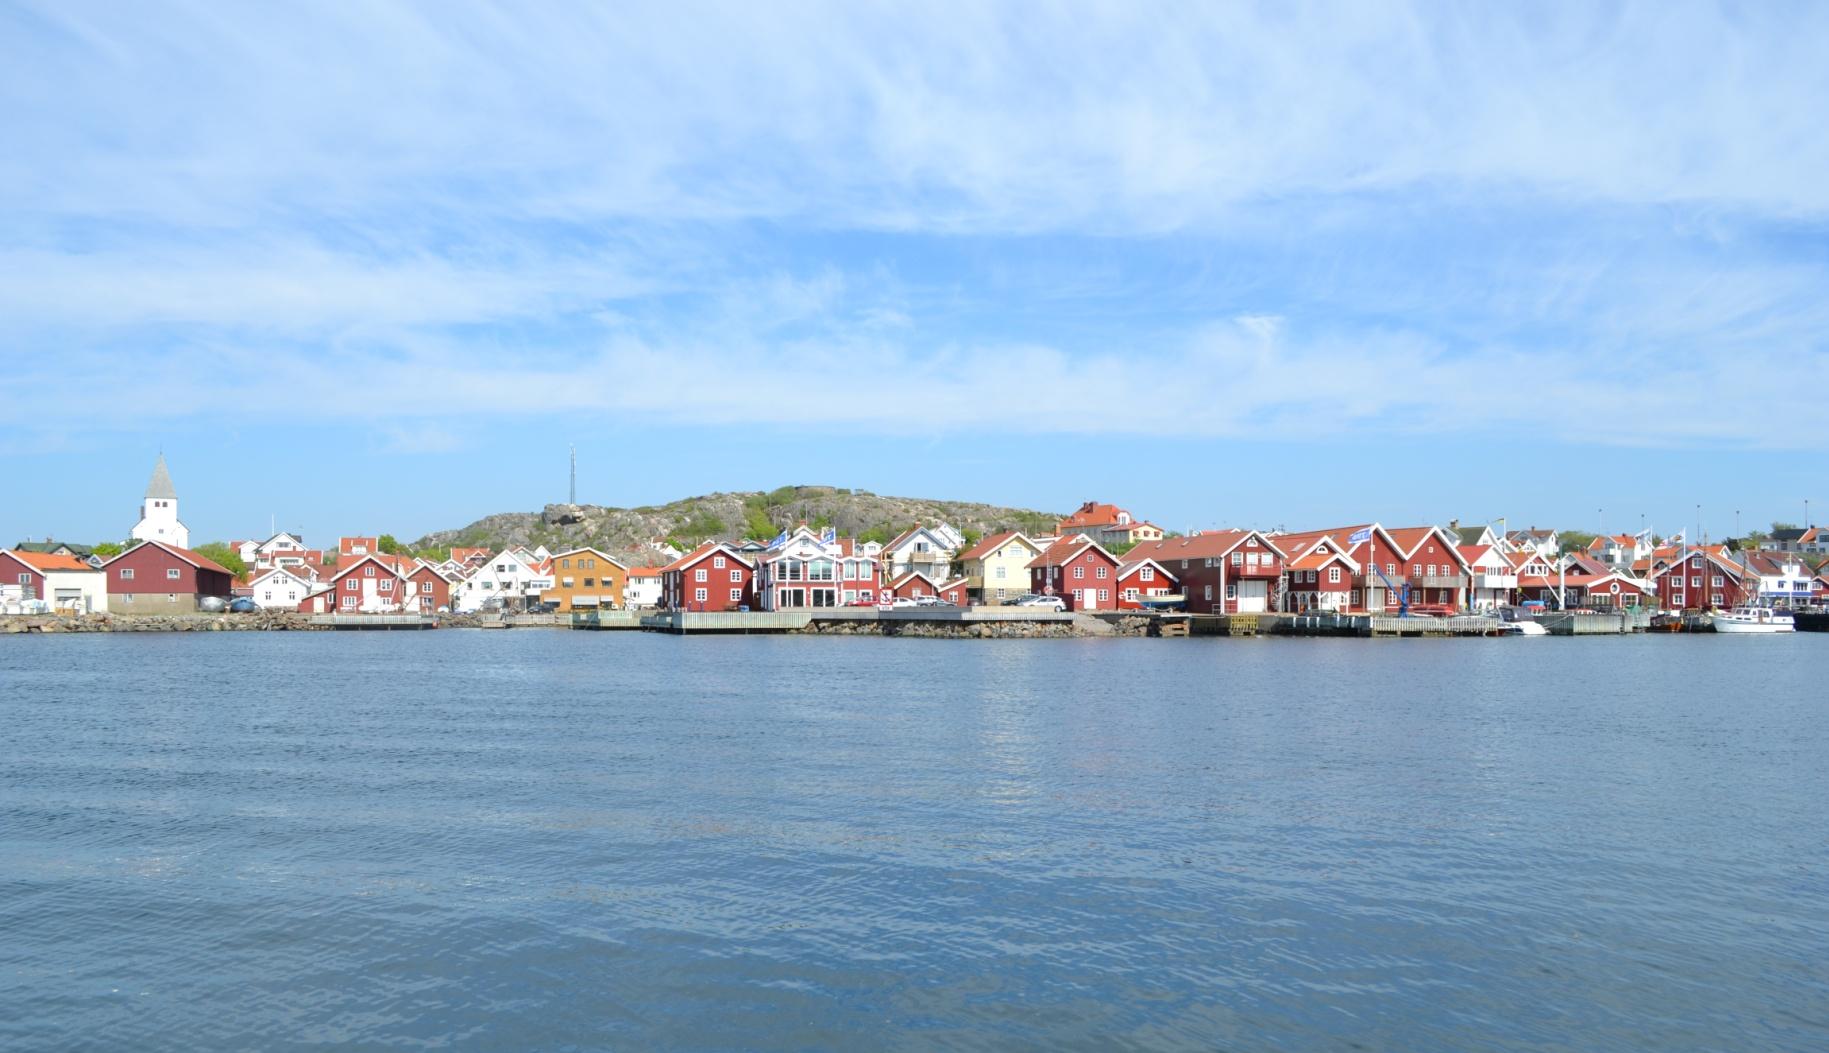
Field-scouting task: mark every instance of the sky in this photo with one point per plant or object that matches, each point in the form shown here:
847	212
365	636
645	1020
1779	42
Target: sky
370	267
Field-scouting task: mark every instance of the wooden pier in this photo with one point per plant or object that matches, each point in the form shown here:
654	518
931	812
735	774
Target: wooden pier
683	623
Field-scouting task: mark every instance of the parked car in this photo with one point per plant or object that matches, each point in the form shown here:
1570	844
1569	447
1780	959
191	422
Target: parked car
243	605
1054	603
544	607
930	601
901	602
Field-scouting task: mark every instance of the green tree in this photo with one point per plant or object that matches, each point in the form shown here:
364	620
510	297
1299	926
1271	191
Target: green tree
108	550
388	545
1575	540
219	553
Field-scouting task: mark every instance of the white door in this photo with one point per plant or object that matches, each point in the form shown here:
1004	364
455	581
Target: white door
1252	596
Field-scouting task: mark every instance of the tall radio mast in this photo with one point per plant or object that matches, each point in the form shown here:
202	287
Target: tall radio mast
574	492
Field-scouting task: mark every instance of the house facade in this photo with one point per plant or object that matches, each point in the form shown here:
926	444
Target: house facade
59	582
1704	578
1080	571
586	579
808	570
997	567
1220	571
1140	580
1492	577
366	586
509	578
927	549
915	585
156	578
641	590
712	577
279	588
1319	576
1779	579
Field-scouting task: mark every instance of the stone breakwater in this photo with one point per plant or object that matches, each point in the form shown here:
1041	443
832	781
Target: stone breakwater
262	621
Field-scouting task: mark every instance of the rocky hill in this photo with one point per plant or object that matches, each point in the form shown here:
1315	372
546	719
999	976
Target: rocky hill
627	532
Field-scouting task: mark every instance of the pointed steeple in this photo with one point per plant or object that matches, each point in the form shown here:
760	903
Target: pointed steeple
160	486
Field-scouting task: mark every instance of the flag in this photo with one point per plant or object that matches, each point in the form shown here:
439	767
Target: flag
780	540
830	536
1360	536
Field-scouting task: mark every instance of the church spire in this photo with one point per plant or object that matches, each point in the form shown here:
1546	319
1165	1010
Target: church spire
160	487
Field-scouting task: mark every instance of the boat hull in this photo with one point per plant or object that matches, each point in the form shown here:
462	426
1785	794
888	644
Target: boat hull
1725	625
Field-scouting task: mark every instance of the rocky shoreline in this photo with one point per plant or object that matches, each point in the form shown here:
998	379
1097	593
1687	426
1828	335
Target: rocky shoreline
292	621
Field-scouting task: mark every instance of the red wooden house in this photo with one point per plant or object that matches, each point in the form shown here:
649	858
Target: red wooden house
154	577
914	585
712	577
1700	579
1143	579
1220	571
1320	576
367	585
1080	571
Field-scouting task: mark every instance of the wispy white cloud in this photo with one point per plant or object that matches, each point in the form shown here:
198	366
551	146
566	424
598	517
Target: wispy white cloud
1275	219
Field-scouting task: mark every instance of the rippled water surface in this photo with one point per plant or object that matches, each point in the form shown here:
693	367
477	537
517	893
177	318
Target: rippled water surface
547	840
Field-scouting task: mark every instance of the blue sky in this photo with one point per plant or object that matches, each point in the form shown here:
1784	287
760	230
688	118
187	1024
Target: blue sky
372	267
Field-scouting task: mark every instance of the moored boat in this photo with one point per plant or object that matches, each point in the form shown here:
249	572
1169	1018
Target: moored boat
1754	620
1811	619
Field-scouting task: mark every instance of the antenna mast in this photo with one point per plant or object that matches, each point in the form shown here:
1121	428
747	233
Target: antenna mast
574	490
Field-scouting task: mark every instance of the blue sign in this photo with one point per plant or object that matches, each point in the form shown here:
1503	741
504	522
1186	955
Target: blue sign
1359	536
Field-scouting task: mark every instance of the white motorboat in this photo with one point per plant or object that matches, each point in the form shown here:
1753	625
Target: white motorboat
1514	622
1754	620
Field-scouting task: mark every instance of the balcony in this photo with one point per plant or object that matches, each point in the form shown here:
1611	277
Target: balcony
1254	570
1495	581
1438	581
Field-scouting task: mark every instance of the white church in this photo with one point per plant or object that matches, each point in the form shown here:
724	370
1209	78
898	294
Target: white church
159	511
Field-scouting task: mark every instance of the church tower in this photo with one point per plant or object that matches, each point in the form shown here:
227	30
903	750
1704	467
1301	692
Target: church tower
159	511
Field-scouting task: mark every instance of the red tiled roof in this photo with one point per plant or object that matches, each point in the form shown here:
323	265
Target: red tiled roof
1201	546
1092	514
45	561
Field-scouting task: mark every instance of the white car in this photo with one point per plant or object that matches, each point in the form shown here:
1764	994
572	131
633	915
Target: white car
1050	602
901	603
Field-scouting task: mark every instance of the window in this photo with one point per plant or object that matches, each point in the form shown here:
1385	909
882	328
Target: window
1130	594
25	579
1390	570
587	564
351	585
126	573
349	601
565	582
736	595
1716	599
171	574
425	587
699	595
1146	574
1676	599
267	595
1231	590
387	586
1695	583
1101	572
998	573
588	582
700	575
1238	559
1720	581
1079	572
1333	575
1104	595
565	564
1207	592
717	562
736	575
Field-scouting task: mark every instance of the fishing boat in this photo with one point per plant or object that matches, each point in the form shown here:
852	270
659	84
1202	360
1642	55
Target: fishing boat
1754	620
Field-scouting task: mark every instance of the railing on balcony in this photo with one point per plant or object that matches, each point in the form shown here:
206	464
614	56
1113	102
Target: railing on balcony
1495	581
1438	581
1254	570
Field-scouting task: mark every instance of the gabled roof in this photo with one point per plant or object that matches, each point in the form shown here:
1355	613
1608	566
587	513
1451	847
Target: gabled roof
644	572
1714	554
1207	544
290	572
1070	548
908	535
988	545
52	546
908	576
185	554
343	572
1093	514
698	555
44	562
1320	552
1131	566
